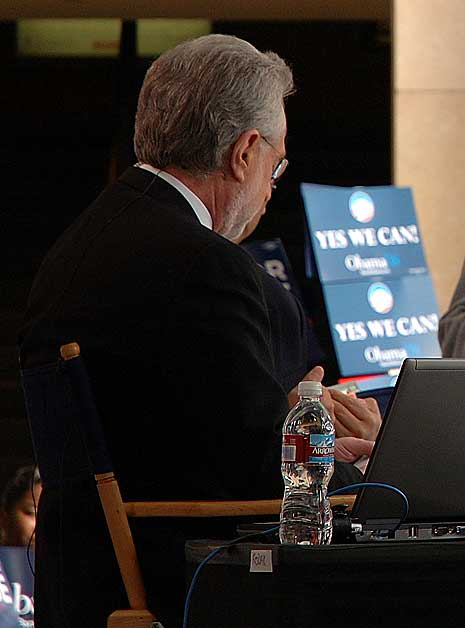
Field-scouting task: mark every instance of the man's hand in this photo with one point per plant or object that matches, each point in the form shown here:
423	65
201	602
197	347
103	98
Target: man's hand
315	375
352	416
355	417
350	449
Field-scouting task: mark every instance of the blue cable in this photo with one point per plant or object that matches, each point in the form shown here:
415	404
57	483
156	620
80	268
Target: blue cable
209	557
378	485
218	549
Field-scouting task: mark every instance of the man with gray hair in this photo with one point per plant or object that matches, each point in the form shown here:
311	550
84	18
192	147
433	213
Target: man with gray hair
173	323
211	113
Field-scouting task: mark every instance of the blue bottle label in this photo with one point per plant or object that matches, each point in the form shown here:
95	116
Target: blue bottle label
321	449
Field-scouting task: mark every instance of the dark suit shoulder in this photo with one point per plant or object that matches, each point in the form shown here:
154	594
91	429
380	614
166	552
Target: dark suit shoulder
289	332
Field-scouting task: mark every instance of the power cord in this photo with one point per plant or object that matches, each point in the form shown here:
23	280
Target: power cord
218	549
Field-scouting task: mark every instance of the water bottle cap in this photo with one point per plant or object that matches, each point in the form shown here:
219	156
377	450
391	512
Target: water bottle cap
309	389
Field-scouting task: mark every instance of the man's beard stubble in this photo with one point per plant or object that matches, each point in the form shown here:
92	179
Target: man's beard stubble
236	217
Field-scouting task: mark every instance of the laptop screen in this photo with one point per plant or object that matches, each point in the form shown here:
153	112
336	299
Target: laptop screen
420	448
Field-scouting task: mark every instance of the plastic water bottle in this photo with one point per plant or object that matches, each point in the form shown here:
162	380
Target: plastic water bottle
307	466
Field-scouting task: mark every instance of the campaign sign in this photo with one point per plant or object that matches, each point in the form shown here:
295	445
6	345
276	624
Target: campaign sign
8	615
18	563
272	256
376	325
360	233
309	256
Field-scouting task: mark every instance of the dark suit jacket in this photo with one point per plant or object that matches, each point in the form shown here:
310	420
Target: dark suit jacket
190	369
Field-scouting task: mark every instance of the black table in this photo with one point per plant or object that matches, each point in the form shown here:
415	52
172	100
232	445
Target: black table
384	583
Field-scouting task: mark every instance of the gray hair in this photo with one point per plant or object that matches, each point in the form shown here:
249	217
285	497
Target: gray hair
199	97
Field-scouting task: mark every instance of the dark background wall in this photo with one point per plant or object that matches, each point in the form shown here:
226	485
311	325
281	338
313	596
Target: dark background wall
66	127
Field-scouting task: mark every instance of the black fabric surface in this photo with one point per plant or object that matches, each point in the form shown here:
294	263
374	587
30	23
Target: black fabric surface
401	584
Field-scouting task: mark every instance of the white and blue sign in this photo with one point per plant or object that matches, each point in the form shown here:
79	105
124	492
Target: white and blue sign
8	615
376	325
272	256
16	587
309	257
362	233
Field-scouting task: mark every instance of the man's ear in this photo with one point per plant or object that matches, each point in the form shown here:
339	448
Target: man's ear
243	154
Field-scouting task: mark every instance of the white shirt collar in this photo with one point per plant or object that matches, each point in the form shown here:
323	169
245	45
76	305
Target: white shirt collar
199	208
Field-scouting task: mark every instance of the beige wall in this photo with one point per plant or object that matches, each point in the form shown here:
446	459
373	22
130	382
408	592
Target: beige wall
429	128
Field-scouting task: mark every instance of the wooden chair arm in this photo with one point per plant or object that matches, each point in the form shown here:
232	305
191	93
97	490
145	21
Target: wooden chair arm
203	508
216	508
132	619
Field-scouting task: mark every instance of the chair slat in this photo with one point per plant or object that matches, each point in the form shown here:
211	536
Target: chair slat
216	508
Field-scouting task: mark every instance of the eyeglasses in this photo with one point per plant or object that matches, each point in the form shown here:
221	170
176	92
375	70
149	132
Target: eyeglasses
280	167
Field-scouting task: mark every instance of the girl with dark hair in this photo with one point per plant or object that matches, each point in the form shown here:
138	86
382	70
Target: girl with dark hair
18	506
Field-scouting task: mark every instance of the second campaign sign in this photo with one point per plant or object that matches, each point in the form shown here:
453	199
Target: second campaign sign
359	233
376	325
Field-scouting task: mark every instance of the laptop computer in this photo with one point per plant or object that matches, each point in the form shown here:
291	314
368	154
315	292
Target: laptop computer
420	450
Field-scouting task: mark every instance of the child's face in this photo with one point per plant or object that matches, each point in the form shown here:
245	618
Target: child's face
20	522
